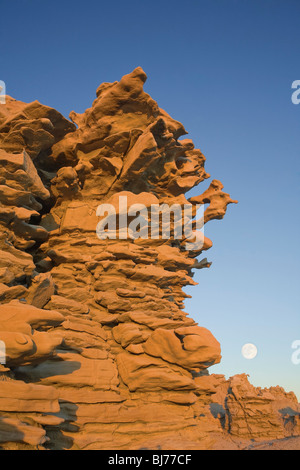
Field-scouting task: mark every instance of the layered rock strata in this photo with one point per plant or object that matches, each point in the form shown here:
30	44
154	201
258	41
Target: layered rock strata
99	353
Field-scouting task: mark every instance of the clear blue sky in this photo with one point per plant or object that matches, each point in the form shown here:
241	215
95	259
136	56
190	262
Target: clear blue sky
224	68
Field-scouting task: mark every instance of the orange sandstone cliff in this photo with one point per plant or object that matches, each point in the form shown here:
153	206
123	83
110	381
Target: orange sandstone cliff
99	353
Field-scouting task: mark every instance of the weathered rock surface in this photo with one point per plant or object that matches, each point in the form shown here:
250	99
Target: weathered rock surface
99	351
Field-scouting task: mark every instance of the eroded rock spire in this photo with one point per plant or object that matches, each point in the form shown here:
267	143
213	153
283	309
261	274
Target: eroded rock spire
99	353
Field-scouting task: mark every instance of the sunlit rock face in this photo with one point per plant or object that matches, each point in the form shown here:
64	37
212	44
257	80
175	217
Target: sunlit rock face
99	353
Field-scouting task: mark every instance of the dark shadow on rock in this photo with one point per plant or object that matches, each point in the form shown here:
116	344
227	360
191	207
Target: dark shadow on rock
218	411
58	440
290	418
9	432
47	369
289	411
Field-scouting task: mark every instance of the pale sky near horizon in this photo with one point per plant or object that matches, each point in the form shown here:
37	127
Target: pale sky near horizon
224	68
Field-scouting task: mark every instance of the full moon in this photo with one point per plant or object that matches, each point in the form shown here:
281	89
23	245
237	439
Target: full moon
249	351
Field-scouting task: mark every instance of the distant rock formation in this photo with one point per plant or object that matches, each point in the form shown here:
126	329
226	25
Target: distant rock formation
99	352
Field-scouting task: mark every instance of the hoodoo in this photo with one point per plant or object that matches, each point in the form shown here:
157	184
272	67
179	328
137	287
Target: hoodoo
99	353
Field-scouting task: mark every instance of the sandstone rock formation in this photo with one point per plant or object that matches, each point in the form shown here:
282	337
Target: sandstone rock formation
99	352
